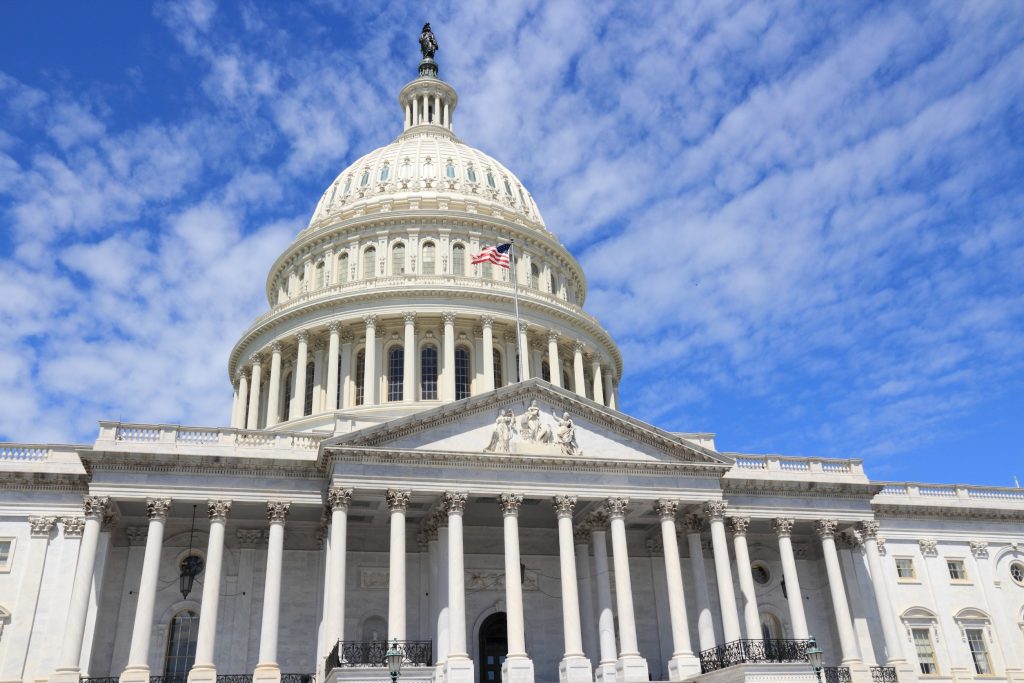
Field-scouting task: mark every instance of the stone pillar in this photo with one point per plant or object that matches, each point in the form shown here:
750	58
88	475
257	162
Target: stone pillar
458	667
204	670
581	536
398	501
318	378
890	630
443	641
631	667
267	670
605	617
338	500
574	667
579	380
595	369
511	364
826	529
751	617
783	529
345	376
610	390
705	622
241	398
683	664
298	406
714	510
409	358
19	632
252	422
517	667
274	389
524	353
370	362
332	366
448	370
553	360
487	323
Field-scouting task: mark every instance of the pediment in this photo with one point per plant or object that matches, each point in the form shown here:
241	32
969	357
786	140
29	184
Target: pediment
531	418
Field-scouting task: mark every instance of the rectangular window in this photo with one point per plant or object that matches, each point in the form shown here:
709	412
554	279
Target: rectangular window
979	653
6	553
925	650
905	568
957	571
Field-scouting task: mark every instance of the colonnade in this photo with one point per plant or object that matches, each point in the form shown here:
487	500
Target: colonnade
336	383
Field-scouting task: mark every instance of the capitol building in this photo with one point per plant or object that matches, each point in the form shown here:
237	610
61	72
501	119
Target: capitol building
427	453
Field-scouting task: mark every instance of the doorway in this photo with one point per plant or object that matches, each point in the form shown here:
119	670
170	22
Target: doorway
493	647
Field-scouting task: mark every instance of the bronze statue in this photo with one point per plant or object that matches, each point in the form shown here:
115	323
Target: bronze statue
428	44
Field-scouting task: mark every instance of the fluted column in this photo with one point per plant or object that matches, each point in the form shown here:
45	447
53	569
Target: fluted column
487	325
253	420
890	630
370	362
398	502
751	617
682	665
595	369
579	380
581	536
458	667
715	512
338	500
574	667
409	358
241	398
826	529
204	669
345	373
333	345
554	362
448	371
631	667
610	388
524	353
605	671
517	667
783	529
267	670
274	389
693	524
298	406
94	509
441	520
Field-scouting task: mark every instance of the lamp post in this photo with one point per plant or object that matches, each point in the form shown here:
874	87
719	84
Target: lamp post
394	658
814	655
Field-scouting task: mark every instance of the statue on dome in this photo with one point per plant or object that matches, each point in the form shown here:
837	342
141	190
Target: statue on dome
566	436
531	427
428	44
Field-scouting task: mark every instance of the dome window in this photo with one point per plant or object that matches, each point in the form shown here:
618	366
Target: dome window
522	199
490	180
428	168
348	185
471	174
508	188
398	259
405	170
449	170
385	173
458	260
365	180
429	259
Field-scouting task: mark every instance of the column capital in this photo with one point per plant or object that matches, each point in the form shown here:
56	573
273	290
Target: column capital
869	530
564	505
248	538
256	359
440	518
370	321
581	534
41	526
826	528
302	336
478	332
455	502
448	317
693	524
715	509
218	510
157	508
616	506
597	521
486	321
347	337
523	326
553	336
510	503
334	327
239	373
95	507
398	499
136	535
979	548
578	346
73	527
339	498
276	346
277	510
429	530
666	508
409	317
783	526
928	547
655	546
739	525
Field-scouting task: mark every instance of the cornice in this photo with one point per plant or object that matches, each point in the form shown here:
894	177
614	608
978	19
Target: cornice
784	484
247	467
947	512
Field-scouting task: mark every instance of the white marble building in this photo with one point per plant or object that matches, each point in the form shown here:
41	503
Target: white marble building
372	486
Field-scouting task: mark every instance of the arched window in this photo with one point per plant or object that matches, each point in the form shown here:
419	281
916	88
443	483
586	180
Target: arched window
551	282
360	372
181	645
490	180
522	199
348	185
428	373
428	168
396	373
566	382
429	256
289	391
458	260
508	188
463	376
385	172
588	382
771	627
307	400
369	263
405	170
365	179
534	276
496	354
449	170
545	371
318	276
486	270
398	259
342	268
471	174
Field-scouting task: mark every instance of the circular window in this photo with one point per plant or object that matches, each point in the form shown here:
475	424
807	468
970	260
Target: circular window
761	574
1017	572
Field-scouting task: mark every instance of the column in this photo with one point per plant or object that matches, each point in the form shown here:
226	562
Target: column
890	631
610	390
705	622
751	617
517	667
487	323
94	508
398	501
318	378
783	529
581	535
579	381
715	512
511	366
574	667
415	111
338	500
448	370
433	563
370	362
267	670
241	397
298	406
447	116
826	530
332	366
138	655
683	664
274	390
409	358
631	667
524	353
437	109
605	617
252	421
345	377
595	369
19	632
204	669
553	361
458	668
536	359
442	640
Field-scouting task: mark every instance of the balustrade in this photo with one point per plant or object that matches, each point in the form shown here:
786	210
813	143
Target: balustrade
752	652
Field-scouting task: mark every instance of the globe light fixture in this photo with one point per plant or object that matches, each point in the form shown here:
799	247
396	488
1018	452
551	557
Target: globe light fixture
814	656
394	659
191	565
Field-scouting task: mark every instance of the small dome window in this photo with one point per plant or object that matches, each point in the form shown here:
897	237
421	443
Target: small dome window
508	188
490	180
365	180
348	185
405	170
385	172
449	170
428	168
334	191
521	197
471	174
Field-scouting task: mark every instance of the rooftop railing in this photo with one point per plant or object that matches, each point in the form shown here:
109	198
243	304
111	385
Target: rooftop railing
951	491
122	433
788	463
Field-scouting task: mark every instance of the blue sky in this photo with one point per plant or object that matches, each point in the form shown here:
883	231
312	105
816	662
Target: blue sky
801	221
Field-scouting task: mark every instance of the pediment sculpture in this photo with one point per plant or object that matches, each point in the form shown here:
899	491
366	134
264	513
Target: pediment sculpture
529	433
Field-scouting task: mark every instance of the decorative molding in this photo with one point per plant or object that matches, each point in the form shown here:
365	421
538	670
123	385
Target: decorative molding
455	502
869	530
248	538
928	547
783	526
157	508
276	347
581	534
448	318
277	510
96	507
510	503
218	510
616	506
826	528
739	525
693	524
979	548
486	321
409	317
370	321
564	505
397	499
597	521
880	540
339	498
715	510
800	551
136	535
41	526
666	508
73	527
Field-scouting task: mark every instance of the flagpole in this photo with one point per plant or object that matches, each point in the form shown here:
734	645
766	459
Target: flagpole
515	288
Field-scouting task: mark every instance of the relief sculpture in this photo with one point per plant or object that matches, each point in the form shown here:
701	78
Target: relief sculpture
530	433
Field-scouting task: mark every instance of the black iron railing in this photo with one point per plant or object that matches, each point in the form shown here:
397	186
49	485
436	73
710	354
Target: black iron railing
297	678
835	674
371	654
883	674
177	678
752	651
96	679
234	678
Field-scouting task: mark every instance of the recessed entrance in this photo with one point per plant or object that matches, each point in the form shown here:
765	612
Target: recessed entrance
493	647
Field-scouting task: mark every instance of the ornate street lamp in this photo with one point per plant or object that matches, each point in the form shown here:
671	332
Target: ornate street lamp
814	655
191	565
394	658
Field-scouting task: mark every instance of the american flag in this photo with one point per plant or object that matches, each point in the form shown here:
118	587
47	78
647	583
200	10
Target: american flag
497	255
